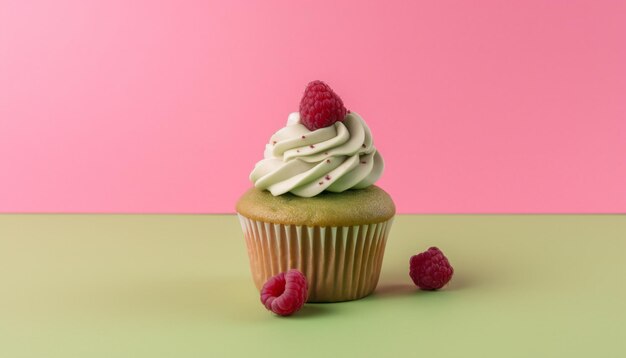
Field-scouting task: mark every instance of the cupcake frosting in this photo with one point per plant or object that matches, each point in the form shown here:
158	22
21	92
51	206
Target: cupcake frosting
305	163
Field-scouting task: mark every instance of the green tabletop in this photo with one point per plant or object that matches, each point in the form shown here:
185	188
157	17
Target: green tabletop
179	286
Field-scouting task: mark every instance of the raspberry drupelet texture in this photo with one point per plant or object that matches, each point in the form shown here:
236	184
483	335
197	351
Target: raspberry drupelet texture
430	270
285	293
320	107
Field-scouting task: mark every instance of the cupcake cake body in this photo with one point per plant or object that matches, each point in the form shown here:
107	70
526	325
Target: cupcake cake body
314	207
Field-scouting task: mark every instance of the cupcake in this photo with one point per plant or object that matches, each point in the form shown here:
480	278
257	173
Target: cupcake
314	207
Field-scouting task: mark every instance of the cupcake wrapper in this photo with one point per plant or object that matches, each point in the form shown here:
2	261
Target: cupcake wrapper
340	262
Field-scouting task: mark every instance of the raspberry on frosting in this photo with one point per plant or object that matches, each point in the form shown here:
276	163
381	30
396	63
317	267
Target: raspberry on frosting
320	107
430	270
285	293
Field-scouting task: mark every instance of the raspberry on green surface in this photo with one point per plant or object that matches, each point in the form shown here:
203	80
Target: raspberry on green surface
285	293
430	270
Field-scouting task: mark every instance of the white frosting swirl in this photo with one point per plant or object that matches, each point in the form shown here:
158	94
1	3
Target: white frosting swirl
335	158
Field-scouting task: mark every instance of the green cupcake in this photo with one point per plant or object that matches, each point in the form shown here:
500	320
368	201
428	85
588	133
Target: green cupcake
314	207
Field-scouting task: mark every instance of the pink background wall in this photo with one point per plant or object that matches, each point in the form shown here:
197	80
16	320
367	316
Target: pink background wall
130	106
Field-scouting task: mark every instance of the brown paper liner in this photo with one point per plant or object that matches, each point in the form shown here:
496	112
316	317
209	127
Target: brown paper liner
340	263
